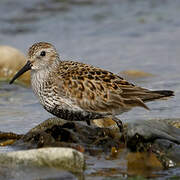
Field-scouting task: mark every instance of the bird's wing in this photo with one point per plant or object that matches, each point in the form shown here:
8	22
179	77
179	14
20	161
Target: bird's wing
97	90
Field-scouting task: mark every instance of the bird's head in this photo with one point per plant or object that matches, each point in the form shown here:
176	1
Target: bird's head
41	55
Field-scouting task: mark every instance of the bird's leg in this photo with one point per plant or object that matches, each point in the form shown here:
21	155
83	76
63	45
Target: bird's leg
121	129
88	121
118	123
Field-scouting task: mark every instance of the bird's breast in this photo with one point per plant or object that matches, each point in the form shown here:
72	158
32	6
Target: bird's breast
49	95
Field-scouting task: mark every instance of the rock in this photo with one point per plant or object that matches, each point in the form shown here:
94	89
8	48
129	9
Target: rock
158	136
56	132
8	138
153	140
174	122
168	152
150	130
11	60
104	122
59	158
132	74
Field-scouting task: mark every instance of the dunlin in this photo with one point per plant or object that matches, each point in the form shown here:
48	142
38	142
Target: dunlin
77	91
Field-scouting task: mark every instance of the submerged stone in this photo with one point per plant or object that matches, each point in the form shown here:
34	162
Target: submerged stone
142	163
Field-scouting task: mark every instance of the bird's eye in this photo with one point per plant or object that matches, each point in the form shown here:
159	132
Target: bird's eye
43	53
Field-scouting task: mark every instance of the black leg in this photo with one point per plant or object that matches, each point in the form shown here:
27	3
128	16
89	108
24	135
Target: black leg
119	123
88	122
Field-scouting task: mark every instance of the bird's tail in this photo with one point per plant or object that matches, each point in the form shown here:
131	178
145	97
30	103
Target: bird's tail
160	94
165	93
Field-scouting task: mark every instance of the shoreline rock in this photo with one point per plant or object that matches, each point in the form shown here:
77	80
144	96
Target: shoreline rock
155	144
59	158
11	60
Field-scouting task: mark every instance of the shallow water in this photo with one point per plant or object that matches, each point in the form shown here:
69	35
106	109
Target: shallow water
116	35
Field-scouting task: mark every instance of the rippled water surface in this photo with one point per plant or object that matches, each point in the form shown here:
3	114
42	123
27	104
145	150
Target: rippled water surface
116	35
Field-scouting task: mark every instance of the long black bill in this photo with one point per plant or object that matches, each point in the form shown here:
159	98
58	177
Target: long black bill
26	67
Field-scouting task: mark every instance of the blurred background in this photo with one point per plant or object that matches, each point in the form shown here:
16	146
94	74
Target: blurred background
118	35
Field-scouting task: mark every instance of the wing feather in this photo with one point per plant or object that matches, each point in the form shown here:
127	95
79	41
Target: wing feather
97	90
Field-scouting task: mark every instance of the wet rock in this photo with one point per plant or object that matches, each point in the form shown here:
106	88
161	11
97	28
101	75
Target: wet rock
59	158
11	60
148	131
8	138
157	136
104	122
173	122
56	132
167	152
140	136
155	141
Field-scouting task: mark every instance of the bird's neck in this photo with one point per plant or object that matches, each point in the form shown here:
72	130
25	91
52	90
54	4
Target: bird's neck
44	73
41	78
38	78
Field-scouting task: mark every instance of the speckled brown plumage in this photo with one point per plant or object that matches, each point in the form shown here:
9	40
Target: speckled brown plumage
97	90
77	91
